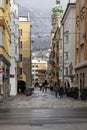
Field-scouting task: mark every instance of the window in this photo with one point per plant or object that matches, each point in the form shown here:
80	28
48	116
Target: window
20	32
16	49
21	71
66	55
57	73
32	66
36	65
21	58
82	13
21	44
57	59
60	59
82	53
66	37
1	37
57	46
83	80
6	1
81	84
66	71
60	45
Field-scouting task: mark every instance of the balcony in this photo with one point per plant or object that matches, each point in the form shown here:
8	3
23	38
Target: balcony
2	4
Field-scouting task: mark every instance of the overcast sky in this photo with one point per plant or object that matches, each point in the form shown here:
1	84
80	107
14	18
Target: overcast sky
41	4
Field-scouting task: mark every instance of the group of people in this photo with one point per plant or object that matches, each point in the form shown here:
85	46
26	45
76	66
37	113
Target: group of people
59	91
43	87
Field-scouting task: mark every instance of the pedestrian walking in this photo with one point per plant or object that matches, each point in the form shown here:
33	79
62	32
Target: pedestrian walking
56	91
40	86
61	92
45	88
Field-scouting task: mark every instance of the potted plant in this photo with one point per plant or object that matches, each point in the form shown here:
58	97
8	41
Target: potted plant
76	92
83	94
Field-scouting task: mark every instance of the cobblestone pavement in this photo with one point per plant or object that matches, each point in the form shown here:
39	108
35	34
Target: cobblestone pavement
41	99
47	127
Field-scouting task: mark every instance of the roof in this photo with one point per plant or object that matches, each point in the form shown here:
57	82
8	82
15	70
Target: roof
68	5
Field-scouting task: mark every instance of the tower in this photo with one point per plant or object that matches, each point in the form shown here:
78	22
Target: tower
57	13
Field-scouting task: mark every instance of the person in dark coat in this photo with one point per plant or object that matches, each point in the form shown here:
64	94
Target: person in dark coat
56	91
61	92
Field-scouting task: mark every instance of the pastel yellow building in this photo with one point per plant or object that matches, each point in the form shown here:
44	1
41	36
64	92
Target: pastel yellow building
57	13
25	51
4	47
54	60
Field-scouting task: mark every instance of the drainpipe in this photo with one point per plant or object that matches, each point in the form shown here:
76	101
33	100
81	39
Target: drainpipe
63	55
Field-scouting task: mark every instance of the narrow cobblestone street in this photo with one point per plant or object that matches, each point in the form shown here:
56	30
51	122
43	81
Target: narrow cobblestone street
42	111
41	99
47	127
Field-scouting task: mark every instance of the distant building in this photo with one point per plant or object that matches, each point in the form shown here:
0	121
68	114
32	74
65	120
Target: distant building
25	52
39	70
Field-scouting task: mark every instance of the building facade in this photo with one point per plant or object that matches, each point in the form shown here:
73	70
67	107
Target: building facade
61	61
14	46
39	70
4	47
81	43
55	55
57	13
68	24
25	51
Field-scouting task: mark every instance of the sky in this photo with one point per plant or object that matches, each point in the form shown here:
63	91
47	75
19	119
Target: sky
41	4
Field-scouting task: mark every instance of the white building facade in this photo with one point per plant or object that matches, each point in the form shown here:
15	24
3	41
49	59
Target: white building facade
14	47
61	56
68	23
39	69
